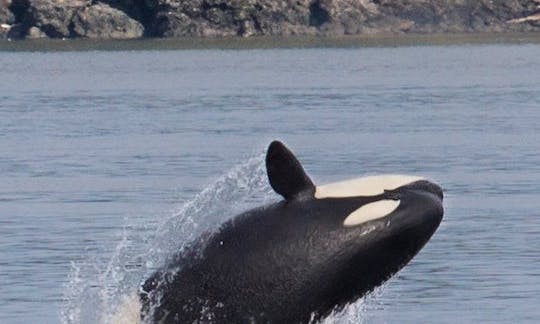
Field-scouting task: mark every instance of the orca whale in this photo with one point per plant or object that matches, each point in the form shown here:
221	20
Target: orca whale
297	260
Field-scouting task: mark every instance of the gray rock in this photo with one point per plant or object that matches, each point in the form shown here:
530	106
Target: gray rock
35	33
7	19
178	24
217	18
6	16
54	17
4	30
233	17
79	18
102	21
336	17
454	15
284	17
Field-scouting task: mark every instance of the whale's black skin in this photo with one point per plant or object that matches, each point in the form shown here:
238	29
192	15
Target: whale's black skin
293	260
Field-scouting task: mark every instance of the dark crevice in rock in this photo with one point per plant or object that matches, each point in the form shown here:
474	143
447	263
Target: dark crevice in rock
256	23
148	15
318	15
19	9
71	28
143	11
148	11
51	32
18	31
165	22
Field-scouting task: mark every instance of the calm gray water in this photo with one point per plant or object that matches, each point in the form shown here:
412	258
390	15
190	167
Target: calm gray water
103	154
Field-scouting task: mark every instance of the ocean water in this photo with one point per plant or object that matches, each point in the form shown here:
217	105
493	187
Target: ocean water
111	161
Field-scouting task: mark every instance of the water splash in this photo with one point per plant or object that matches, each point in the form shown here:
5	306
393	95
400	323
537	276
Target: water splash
96	289
242	187
355	313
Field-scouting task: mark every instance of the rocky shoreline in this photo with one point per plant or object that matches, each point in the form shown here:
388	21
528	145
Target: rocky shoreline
131	19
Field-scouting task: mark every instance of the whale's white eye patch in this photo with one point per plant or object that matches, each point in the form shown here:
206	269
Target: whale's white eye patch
371	211
367	186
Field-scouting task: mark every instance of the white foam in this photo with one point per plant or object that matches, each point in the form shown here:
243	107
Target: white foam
357	312
366	186
371	211
97	287
129	312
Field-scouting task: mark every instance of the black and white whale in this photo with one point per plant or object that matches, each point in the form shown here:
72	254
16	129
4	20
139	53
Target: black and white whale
296	260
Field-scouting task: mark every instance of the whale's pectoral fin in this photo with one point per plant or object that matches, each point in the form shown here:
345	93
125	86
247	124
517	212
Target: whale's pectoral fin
286	175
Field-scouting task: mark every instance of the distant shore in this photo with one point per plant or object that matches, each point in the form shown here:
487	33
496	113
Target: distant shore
269	42
218	19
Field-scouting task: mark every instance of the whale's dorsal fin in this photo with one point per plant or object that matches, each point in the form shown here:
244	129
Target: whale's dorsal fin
286	175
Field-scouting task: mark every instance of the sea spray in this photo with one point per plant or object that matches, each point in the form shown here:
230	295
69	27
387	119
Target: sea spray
105	290
97	287
355	313
242	187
